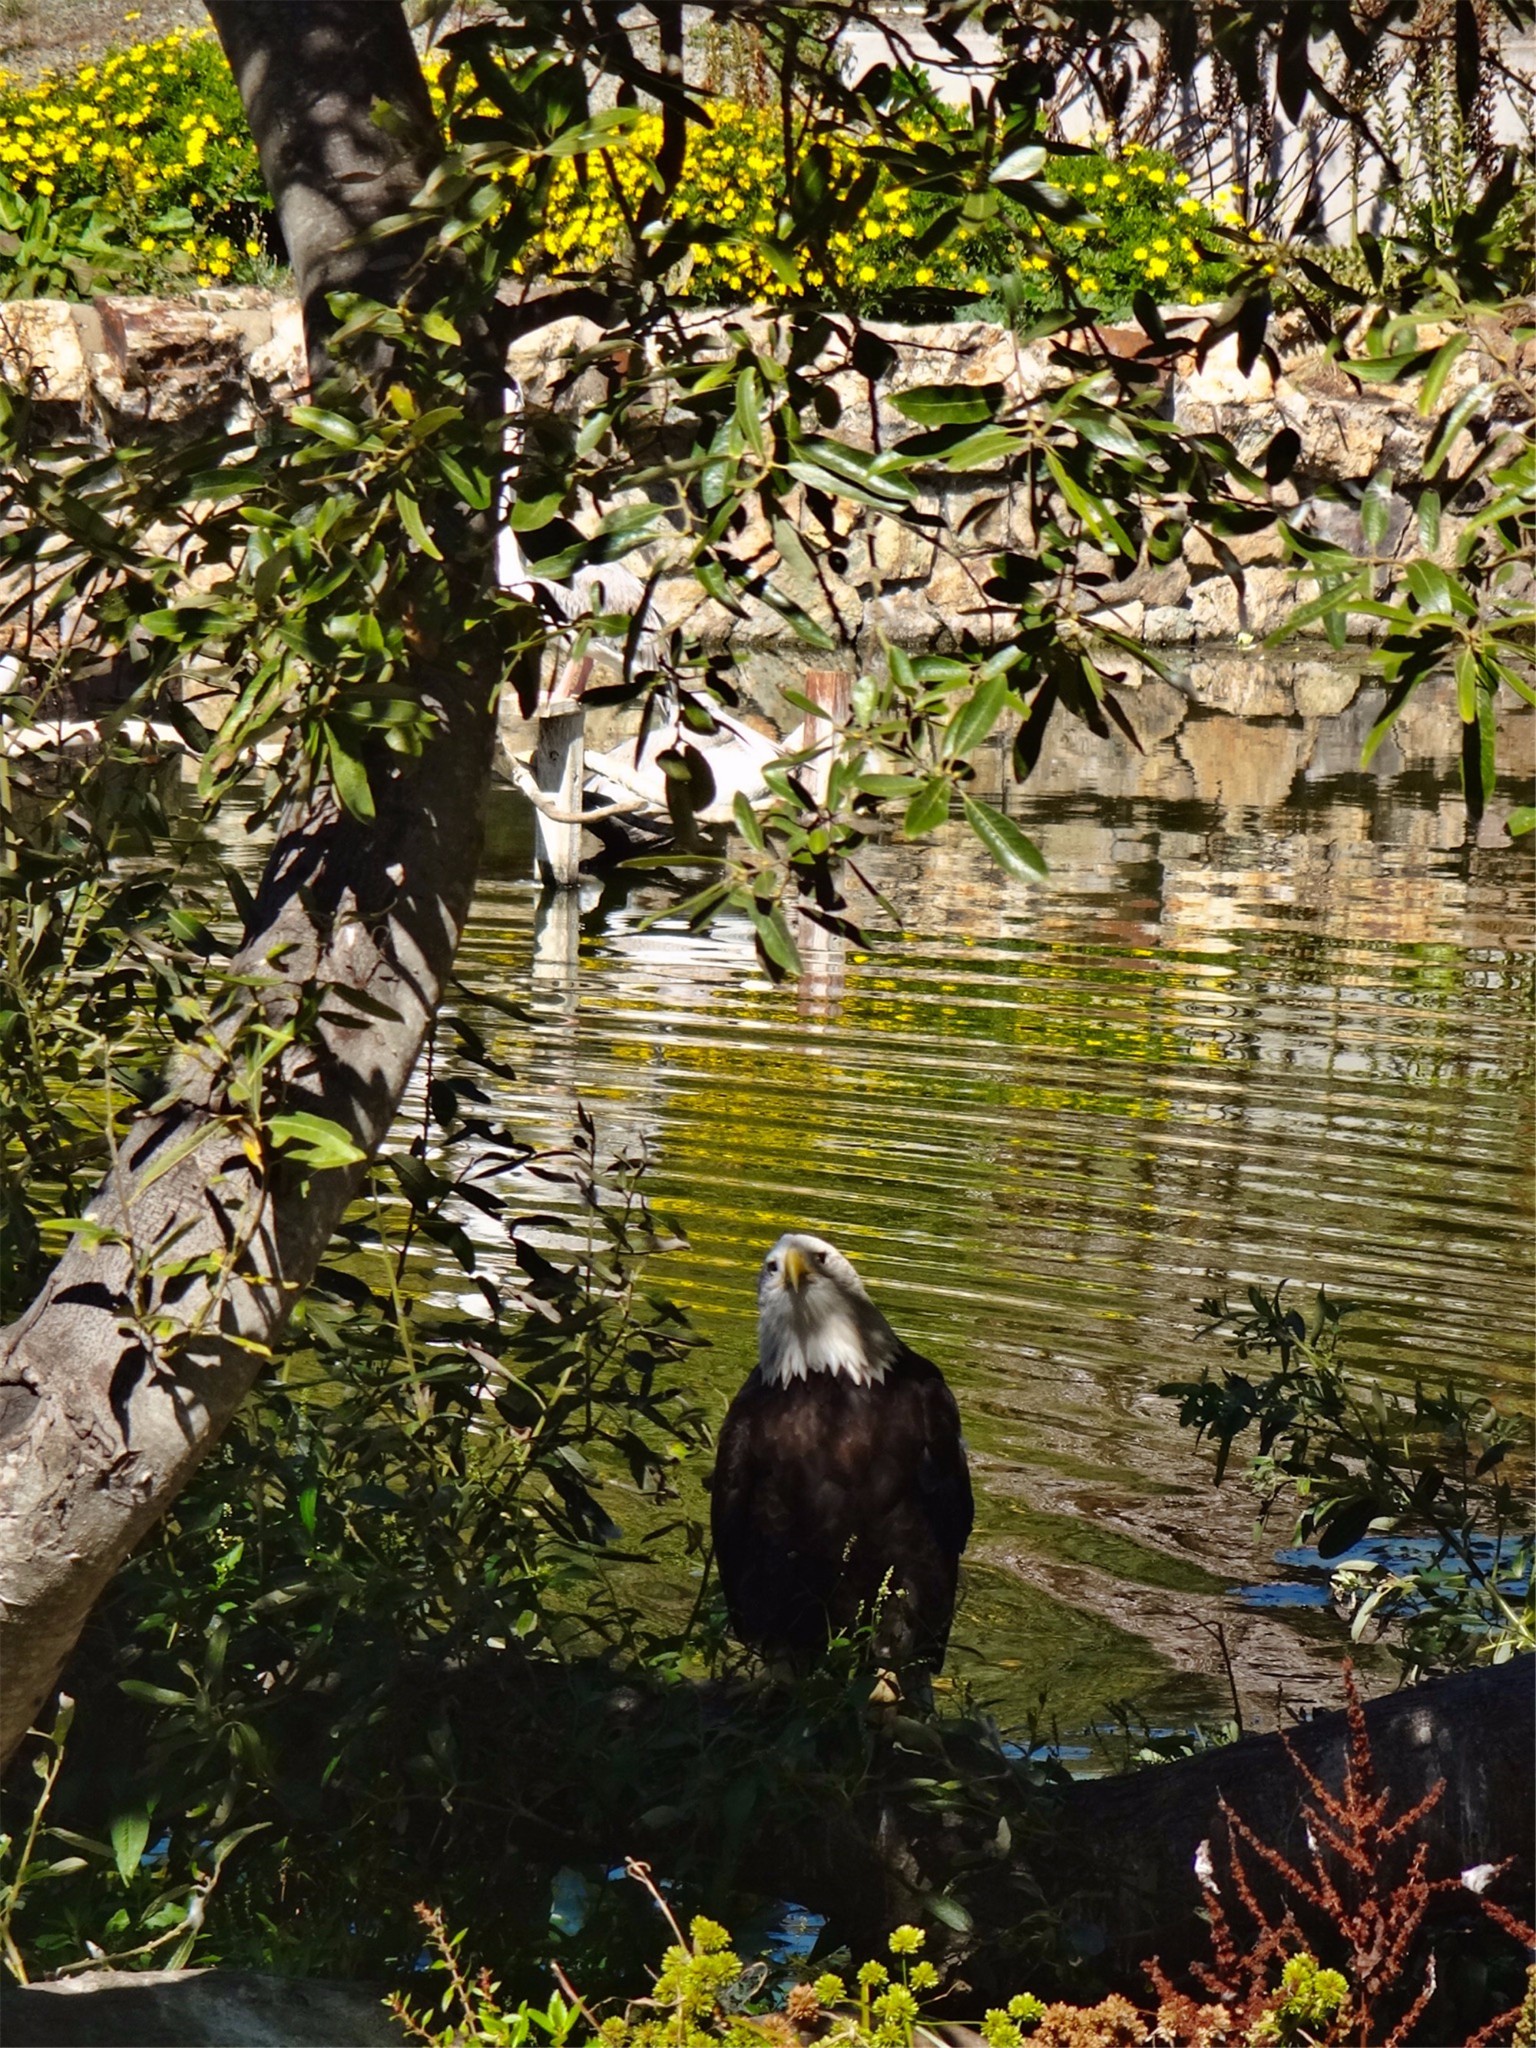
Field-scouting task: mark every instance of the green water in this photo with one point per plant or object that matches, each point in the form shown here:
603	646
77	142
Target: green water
1229	1041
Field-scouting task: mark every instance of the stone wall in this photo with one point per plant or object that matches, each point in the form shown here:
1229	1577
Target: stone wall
134	363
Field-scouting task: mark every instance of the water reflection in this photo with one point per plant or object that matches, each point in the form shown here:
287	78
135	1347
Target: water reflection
1269	1019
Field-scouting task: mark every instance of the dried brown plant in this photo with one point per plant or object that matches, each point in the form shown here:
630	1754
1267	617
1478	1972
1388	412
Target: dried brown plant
1364	1882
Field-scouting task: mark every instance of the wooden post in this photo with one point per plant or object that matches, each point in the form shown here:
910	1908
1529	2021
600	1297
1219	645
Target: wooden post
831	690
557	937
560	771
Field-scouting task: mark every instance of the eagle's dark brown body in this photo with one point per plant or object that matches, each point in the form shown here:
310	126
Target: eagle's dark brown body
832	1495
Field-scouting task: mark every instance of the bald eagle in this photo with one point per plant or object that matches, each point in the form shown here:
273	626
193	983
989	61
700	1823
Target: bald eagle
840	1490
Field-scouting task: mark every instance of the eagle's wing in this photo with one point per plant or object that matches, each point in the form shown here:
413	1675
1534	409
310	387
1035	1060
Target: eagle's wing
733	1519
943	1475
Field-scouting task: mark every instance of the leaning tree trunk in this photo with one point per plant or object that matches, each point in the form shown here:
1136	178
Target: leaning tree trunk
119	1378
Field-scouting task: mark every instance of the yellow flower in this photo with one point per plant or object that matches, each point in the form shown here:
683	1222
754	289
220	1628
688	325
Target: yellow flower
1158	267
1090	284
1140	253
1162	245
1182	178
1110	181
979	284
867	273
1089	189
1158	177
46	185
253	248
136	15
148	244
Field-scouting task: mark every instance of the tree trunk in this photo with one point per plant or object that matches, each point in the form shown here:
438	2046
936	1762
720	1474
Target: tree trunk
310	73
123	1373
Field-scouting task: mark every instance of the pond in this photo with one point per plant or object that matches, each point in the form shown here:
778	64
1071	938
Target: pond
1268	1020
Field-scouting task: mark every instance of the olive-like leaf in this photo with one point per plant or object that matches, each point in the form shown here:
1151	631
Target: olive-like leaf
1012	849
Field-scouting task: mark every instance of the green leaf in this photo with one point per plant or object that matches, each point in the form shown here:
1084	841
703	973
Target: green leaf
1376	508
1522	819
1344	1525
899	787
748	415
415	525
1434	591
349	775
928	809
748	824
330	426
774	937
949	1912
975	719
1429	520
1019	164
439	327
1466	685
1016	854
473	486
1388	369
157	1695
991	444
1439	369
224	1847
130	1834
313	1141
950	405
1106	430
1452	424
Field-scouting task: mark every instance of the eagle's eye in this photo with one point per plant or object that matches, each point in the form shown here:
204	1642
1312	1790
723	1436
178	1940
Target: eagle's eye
821	1258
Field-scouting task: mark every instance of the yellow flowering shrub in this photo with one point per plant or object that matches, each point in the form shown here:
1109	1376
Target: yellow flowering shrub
1147	230
733	181
154	135
155	139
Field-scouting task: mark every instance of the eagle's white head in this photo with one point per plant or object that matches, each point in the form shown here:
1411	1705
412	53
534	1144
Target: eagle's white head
813	1315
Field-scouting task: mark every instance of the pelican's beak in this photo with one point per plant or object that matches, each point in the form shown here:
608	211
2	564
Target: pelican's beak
797	1268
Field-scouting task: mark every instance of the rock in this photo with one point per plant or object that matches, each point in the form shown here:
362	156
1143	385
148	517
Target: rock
901	554
1323	689
1223	550
1244	685
1157	711
902	619
282	360
1255	601
40	346
1334	519
1168	625
1157	583
1344	441
172	360
1128	618
1220	381
1242	766
1213	609
954	584
198	2009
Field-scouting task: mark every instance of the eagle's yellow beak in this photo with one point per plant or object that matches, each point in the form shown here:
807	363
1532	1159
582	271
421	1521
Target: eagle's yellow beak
797	1267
